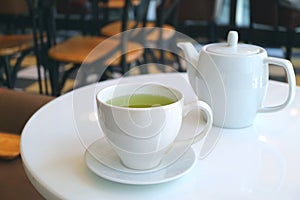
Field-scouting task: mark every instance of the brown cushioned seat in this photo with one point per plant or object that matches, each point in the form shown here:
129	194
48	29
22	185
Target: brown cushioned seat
15	110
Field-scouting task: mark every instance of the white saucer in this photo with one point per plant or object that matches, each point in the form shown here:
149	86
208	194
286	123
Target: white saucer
104	162
103	152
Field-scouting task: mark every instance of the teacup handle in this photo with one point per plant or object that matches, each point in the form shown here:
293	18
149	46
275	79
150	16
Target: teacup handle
288	67
200	105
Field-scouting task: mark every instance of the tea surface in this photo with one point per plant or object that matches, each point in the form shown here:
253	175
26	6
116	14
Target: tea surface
140	101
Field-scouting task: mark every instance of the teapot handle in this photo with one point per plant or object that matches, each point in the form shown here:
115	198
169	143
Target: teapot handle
288	67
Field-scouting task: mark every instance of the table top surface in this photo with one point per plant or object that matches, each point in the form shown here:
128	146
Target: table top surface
258	162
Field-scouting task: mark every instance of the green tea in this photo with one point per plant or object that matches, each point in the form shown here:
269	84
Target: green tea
140	101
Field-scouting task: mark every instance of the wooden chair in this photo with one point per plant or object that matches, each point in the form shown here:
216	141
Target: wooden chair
13	45
74	14
76	50
264	13
116	4
15	110
165	11
141	21
124	23
14	15
191	12
107	6
290	19
270	13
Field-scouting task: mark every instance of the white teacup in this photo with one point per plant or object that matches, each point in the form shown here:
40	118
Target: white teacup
141	136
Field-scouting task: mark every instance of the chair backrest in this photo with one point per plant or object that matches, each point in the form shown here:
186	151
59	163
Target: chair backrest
141	13
74	15
72	6
140	17
191	12
43	29
13	7
43	22
264	12
264	23
167	12
202	10
13	14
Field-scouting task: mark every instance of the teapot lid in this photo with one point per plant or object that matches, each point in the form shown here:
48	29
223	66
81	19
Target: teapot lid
232	47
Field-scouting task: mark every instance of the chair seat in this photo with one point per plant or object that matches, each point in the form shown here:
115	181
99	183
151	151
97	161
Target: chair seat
117	4
85	49
115	27
11	44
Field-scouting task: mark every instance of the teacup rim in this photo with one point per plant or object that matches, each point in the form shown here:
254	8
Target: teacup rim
180	98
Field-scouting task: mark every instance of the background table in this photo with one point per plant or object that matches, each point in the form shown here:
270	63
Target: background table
258	162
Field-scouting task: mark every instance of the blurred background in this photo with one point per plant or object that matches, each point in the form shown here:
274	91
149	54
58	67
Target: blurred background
43	43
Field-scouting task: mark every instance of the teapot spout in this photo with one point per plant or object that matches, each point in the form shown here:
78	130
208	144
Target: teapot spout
190	53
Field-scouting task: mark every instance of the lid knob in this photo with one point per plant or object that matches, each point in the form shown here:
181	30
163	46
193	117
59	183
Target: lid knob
232	38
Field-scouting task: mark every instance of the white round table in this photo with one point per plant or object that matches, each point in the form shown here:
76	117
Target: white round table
258	162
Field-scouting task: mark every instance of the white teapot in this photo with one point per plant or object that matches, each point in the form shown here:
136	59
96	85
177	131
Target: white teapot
233	79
